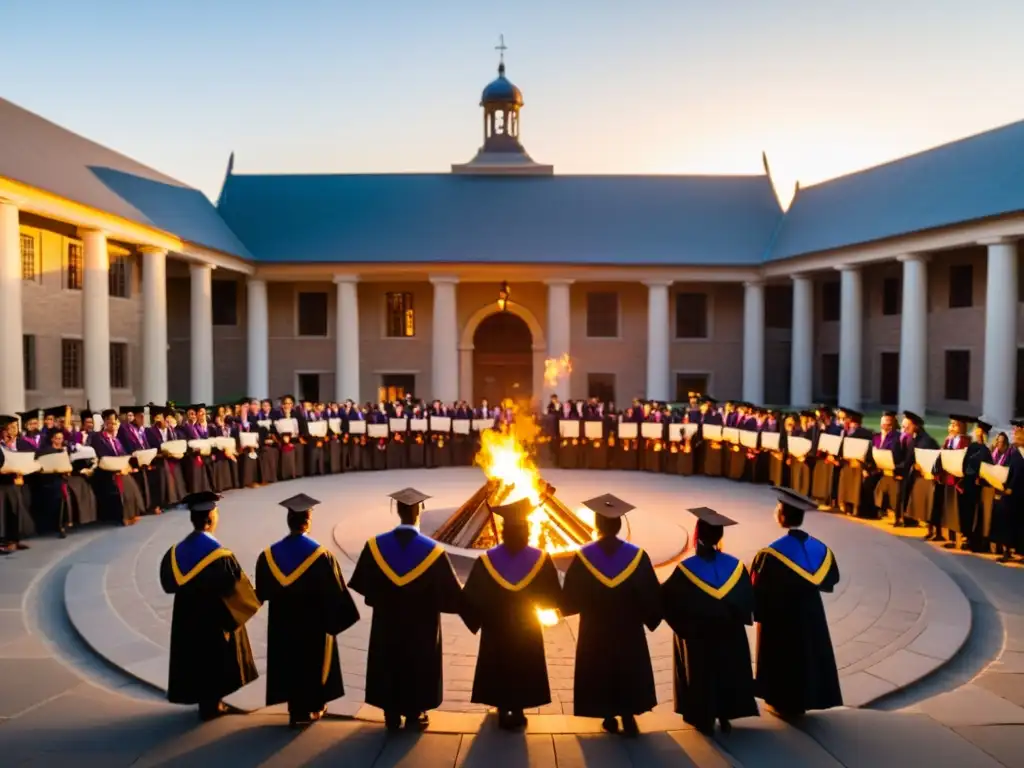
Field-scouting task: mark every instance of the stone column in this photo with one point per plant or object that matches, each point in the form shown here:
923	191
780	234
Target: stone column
445	342
658	384
753	342
201	345
914	334
154	325
999	390
12	372
559	324
346	339
801	366
851	323
96	319
257	338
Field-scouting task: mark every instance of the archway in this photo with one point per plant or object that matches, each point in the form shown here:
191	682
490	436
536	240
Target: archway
502	359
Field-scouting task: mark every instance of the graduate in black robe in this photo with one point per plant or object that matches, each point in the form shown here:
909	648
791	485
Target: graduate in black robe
851	471
917	492
213	599
408	581
709	602
398	444
16	521
796	665
309	605
502	594
978	453
270	450
118	498
612	586
439	450
1007	529
51	501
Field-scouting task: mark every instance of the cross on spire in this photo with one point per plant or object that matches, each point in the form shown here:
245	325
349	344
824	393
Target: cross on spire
501	48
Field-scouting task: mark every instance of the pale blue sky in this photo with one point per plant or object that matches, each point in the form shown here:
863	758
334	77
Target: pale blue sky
642	86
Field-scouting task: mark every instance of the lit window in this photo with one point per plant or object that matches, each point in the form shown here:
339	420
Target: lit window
401	318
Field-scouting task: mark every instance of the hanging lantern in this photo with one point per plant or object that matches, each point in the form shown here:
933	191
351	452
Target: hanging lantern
503	296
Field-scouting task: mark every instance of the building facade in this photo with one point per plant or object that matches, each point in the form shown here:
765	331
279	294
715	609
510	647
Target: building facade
896	286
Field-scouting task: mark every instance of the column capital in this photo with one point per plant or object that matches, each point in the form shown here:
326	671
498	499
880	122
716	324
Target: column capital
253	280
919	257
847	268
559	281
997	241
801	276
5	201
444	280
346	278
660	282
198	265
759	283
152	250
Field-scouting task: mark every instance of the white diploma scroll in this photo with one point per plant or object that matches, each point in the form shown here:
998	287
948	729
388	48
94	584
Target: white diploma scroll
627	430
883	459
770	441
334	425
398	425
202	447
593	430
357	427
317	428
994	474
569	430
798	446
830	444
925	459
226	444
461	426
55	463
174	448
748	438
689	430
377	430
713	432
675	432
651	430
855	448
417	425
16	463
287	426
481	424
145	457
249	440
83	452
116	464
730	434
440	423
953	461
264	423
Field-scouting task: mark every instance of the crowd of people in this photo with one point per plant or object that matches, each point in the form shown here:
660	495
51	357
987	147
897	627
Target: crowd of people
143	459
408	581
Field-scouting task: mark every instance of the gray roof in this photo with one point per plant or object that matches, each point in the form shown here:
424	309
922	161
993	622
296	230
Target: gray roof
974	178
41	154
419	218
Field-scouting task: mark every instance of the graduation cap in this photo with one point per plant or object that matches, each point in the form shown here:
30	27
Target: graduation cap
961	418
986	427
890	414
808	414
58	411
913	418
299	503
1018	423
27	416
514	513
156	411
106	414
798	501
710	517
127	409
6	421
196	407
608	506
201	501
410	497
855	416
709	400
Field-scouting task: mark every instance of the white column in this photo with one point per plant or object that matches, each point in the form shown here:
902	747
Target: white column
851	322
753	342
12	372
96	319
914	334
346	339
1000	332
658	384
257	326
202	333
801	366
559	323
154	325
445	342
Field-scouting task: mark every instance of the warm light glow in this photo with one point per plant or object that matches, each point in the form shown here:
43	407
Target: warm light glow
547	617
555	368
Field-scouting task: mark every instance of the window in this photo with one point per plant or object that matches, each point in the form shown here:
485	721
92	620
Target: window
601	386
224	294
829	375
889	380
961	286
602	315
401	319
309	387
892	296
119	277
830	301
958	374
778	306
71	363
29	262
118	365
75	267
395	386
690	382
691	315
312	314
28	354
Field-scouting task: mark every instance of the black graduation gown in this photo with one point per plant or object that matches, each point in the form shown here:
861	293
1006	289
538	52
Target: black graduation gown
213	599
290	458
16	521
408	581
248	465
1007	526
616	595
708	602
82	497
570	448
439	451
654	448
309	605
970	490
118	498
595	450
851	477
712	454
315	452
417	456
398	446
500	600
626	451
270	456
353	450
51	502
918	491
796	666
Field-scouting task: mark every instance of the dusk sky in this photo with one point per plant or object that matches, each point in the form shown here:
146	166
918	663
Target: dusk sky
675	86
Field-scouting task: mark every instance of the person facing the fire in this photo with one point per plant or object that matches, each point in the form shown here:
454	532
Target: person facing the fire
611	584
709	602
505	588
408	581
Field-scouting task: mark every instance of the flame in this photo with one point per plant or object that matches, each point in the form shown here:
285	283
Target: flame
547	617
556	367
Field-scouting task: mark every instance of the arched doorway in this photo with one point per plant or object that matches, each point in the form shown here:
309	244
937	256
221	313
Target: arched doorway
502	359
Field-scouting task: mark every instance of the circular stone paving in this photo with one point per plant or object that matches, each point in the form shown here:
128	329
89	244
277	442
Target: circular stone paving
894	616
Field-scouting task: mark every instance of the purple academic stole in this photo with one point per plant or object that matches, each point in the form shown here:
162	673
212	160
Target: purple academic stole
620	563
514	568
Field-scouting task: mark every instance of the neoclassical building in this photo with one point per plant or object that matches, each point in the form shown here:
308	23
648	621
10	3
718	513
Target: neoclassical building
895	286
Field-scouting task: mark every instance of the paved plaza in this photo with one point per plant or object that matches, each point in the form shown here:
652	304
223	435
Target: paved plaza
930	646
